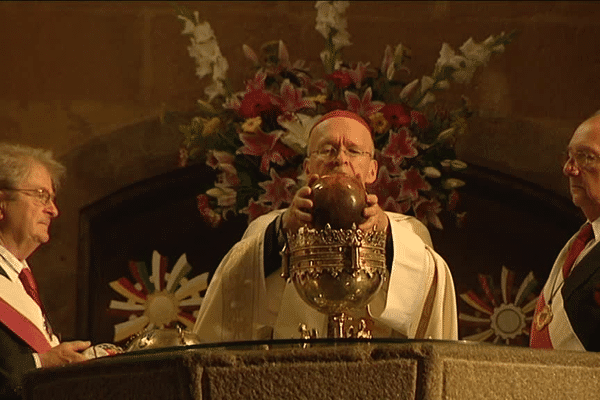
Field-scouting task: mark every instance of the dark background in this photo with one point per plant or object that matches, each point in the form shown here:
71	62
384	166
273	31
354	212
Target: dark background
509	223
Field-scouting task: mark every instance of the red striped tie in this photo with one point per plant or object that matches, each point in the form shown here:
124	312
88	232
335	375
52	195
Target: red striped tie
584	236
28	281
30	286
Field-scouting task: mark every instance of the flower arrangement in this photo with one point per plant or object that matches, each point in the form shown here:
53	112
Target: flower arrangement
256	139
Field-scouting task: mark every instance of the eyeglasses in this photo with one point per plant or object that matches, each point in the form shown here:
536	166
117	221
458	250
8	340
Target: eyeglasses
40	194
583	159
330	152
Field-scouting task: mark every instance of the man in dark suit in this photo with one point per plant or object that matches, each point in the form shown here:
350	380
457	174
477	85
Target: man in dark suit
567	315
28	180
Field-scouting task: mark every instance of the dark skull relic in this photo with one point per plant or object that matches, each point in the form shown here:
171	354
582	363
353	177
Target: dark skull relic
339	200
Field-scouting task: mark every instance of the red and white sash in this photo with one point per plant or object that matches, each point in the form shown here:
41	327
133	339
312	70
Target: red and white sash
560	332
22	315
24	328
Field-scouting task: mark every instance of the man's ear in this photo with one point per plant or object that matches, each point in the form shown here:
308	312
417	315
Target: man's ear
3	201
372	174
305	166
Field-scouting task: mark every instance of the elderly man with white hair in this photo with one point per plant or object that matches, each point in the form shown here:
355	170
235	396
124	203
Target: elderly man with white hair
28	180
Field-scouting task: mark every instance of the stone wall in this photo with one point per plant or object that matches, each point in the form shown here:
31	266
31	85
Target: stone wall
90	80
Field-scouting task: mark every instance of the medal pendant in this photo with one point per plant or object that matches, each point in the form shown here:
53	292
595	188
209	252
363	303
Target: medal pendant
543	318
48	328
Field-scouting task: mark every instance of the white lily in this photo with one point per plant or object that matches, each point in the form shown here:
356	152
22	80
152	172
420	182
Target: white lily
226	196
203	32
458	165
453	183
408	90
441	85
220	68
465	74
330	17
426	83
250	54
341	39
445	135
475	52
205	50
448	58
215	89
297	130
427	99
432	172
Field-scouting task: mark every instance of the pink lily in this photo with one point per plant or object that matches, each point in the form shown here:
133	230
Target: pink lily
267	146
385	186
387	64
223	161
363	107
277	190
413	182
250	54
216	158
284	56
318	85
255	209
400	145
358	73
427	210
391	204
233	103
211	217
183	158
257	82
291	98
283	60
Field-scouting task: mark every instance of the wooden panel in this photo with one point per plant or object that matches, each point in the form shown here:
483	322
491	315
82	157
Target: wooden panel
157	214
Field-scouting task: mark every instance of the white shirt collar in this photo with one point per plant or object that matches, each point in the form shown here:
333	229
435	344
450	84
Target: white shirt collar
15	266
596	228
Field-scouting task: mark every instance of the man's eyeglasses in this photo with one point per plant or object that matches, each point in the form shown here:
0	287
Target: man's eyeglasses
330	152
583	159
40	194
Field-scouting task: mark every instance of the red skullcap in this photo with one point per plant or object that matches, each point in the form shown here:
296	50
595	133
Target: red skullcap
342	114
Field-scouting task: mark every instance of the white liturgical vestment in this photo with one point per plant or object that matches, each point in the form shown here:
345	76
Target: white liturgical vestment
242	304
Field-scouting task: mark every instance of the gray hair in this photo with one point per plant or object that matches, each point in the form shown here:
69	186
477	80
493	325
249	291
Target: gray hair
15	164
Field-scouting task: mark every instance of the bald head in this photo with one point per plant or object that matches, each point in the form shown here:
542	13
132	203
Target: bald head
591	124
337	114
348	127
341	145
583	167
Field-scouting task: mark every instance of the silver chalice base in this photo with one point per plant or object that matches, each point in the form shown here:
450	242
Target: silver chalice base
156	338
336	271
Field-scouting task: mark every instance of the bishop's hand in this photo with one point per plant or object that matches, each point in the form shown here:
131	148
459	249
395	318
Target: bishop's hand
300	211
376	217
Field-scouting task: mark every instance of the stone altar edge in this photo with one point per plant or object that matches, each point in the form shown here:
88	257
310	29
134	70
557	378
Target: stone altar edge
409	370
